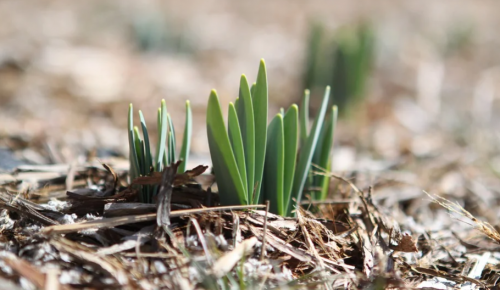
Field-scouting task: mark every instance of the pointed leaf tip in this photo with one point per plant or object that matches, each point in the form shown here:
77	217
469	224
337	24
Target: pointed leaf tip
243	78
262	66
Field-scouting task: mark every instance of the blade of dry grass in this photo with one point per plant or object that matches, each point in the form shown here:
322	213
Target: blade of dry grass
118	221
201	238
281	245
483	227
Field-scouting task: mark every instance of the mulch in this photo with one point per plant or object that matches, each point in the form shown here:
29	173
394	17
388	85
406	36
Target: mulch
70	227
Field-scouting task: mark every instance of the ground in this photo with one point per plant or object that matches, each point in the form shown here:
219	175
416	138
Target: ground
428	124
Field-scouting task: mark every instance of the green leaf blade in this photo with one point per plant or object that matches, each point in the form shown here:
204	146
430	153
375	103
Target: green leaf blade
260	106
272	187
147	145
134	161
139	151
171	142
162	133
304	118
322	154
306	153
325	183
236	141
231	190
186	140
290	130
245	111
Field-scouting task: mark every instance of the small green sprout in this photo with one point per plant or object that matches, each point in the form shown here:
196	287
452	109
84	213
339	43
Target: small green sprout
142	162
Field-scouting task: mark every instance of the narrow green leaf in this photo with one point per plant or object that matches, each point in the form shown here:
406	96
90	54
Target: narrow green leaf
236	141
166	156
237	104
260	107
325	184
144	168
159	128
134	162
304	126
306	153
139	146
315	59
290	127
229	181
147	145
272	187
322	154
170	159
162	133
247	124
139	151
171	153
304	119
186	139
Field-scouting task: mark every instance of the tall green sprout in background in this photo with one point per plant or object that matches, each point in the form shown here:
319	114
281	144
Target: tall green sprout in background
142	160
154	31
343	60
255	162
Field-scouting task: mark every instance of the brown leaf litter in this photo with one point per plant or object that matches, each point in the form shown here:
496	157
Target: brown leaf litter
99	236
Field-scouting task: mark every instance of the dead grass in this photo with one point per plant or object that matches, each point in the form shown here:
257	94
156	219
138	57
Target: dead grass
358	245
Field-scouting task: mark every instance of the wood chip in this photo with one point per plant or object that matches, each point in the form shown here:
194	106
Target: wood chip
406	245
227	262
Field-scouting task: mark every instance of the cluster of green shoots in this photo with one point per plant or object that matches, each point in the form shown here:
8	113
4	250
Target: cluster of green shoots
253	161
343	59
142	160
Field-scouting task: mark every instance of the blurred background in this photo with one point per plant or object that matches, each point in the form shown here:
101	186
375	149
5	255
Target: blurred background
415	81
